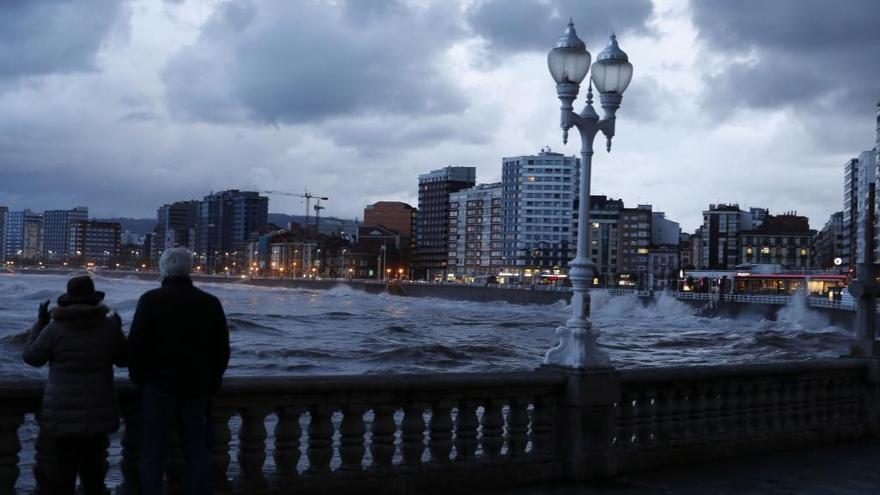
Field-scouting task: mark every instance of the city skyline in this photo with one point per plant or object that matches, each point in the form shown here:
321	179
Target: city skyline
135	101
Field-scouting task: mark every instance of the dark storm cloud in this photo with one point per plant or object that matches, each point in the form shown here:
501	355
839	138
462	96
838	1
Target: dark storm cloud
525	25
280	62
45	37
807	53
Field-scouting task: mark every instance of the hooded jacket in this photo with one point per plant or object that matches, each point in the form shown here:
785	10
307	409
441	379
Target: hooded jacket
179	340
81	345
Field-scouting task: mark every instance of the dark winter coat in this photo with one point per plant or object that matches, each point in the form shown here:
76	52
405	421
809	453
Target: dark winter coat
81	345
179	341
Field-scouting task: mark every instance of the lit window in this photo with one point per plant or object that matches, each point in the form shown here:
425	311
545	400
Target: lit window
765	250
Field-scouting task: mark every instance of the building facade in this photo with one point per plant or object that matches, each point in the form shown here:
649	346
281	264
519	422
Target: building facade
635	243
828	243
395	215
850	211
226	220
432	221
95	243
605	239
176	226
56	231
23	235
780	240
867	174
475	231
721	224
539	193
3	212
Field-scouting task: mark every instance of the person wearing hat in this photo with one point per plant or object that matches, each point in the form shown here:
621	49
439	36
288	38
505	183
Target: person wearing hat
81	343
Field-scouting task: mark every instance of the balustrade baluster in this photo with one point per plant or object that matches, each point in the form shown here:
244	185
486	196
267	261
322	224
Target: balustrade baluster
542	427
664	423
382	435
749	401
351	443
685	404
466	431
517	427
788	406
729	407
10	421
812	405
440	432
774	412
413	434
761	408
646	410
713	408
287	437
220	437
492	427
131	436
626	417
822	401
252	448
320	449
699	409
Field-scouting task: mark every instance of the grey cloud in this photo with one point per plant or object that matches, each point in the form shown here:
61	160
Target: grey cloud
278	62
45	37
809	54
526	25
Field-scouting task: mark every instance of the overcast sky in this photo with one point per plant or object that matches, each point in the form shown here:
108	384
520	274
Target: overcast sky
124	106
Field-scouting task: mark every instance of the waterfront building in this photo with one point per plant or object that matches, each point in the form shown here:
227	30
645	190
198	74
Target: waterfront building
664	232
828	243
539	194
3	212
867	174
432	221
758	216
721	224
605	239
635	243
395	215
23	235
176	225
663	266
475	231
226	220
850	211
696	248
93	242
685	259
56	231
780	240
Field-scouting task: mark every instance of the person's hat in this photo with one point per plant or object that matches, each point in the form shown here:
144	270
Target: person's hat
81	290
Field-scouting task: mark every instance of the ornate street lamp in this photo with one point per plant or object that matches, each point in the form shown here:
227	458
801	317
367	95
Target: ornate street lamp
569	62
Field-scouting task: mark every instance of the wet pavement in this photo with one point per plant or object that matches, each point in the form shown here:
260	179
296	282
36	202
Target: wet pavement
834	469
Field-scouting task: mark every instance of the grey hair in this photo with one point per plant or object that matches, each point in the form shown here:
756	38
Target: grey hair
175	262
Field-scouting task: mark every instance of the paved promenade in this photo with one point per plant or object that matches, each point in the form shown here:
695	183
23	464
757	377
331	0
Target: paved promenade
839	470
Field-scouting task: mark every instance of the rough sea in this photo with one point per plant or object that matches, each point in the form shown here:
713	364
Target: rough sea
280	331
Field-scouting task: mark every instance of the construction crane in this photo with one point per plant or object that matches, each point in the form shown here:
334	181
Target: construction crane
318	208
308	197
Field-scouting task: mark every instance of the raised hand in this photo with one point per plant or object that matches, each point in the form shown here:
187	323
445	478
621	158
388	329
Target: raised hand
43	317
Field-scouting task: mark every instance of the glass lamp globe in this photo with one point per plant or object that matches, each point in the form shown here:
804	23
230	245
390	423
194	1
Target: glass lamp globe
612	71
569	60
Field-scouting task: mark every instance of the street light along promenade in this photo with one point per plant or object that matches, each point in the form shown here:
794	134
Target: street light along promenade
569	63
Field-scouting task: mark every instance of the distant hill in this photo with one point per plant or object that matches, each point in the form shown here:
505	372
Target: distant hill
135	225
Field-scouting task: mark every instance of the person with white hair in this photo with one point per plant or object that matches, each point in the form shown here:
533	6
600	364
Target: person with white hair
178	353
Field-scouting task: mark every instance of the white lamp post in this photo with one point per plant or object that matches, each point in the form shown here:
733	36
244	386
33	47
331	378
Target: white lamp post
569	62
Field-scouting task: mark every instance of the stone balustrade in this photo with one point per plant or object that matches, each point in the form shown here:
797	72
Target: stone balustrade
439	432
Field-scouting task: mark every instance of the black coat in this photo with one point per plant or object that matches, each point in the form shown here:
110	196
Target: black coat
81	346
179	341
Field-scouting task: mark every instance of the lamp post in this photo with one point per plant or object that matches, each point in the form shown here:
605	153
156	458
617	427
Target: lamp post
569	63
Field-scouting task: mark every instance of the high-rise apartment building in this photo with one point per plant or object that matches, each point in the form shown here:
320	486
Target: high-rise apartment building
721	224
475	231
226	219
635	244
605	239
23	235
828	243
3	212
176	225
56	231
867	174
94	242
539	193
432	221
850	211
